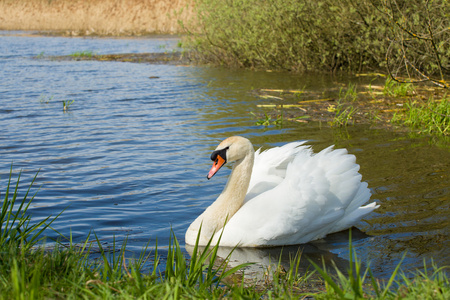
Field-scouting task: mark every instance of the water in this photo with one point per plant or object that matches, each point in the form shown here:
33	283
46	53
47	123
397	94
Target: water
130	156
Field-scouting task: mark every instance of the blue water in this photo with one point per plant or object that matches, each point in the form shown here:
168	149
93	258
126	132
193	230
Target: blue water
130	156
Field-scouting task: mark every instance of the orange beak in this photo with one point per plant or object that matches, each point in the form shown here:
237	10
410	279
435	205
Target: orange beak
218	163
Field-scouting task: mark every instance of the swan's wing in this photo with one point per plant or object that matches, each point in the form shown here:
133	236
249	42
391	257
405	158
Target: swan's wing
320	194
269	167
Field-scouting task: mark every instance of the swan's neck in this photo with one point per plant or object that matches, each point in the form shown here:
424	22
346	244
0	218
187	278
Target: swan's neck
233	195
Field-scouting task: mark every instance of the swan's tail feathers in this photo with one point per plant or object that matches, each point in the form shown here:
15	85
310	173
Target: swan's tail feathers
355	211
354	216
361	197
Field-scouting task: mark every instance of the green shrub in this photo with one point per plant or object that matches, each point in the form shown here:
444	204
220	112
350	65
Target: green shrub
291	35
305	35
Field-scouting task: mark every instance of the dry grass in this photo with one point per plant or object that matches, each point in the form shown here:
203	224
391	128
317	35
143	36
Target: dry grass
102	17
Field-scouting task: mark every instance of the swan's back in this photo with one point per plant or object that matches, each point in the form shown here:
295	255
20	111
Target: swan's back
296	196
270	166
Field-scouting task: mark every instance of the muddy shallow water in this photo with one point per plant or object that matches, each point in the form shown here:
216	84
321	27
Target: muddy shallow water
130	155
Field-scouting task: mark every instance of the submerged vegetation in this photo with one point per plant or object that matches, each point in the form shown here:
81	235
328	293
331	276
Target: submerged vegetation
28	270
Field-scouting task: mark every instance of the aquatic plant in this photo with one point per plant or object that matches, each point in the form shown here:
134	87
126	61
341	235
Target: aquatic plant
344	114
67	104
29	270
431	117
344	110
83	54
348	94
268	120
45	99
393	88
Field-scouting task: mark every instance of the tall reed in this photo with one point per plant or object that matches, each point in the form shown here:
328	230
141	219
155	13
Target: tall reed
106	17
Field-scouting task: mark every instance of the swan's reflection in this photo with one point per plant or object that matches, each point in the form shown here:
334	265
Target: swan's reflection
264	259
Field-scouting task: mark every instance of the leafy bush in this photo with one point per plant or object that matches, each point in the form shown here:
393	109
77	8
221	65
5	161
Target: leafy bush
305	35
419	38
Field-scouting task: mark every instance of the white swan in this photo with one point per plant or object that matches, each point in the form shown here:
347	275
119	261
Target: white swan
283	196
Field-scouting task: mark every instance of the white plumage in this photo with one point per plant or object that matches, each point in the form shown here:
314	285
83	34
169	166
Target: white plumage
282	196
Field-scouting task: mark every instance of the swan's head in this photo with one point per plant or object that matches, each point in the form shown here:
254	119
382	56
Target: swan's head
231	149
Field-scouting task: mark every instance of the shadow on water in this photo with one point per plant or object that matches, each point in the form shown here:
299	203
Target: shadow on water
130	156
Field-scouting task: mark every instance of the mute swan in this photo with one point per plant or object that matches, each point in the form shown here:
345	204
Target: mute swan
282	196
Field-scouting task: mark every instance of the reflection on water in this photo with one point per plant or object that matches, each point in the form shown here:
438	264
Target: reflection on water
271	258
130	156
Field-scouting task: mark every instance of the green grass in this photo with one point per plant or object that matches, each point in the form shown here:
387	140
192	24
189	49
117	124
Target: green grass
16	228
350	94
361	284
82	54
267	120
393	88
65	270
344	115
344	109
431	117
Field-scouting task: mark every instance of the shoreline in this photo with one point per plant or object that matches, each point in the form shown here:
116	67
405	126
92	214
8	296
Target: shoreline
55	33
173	58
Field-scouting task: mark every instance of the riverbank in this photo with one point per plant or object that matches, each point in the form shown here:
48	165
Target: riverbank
385	104
94	17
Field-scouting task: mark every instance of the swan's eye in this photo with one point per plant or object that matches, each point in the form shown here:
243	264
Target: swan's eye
218	155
